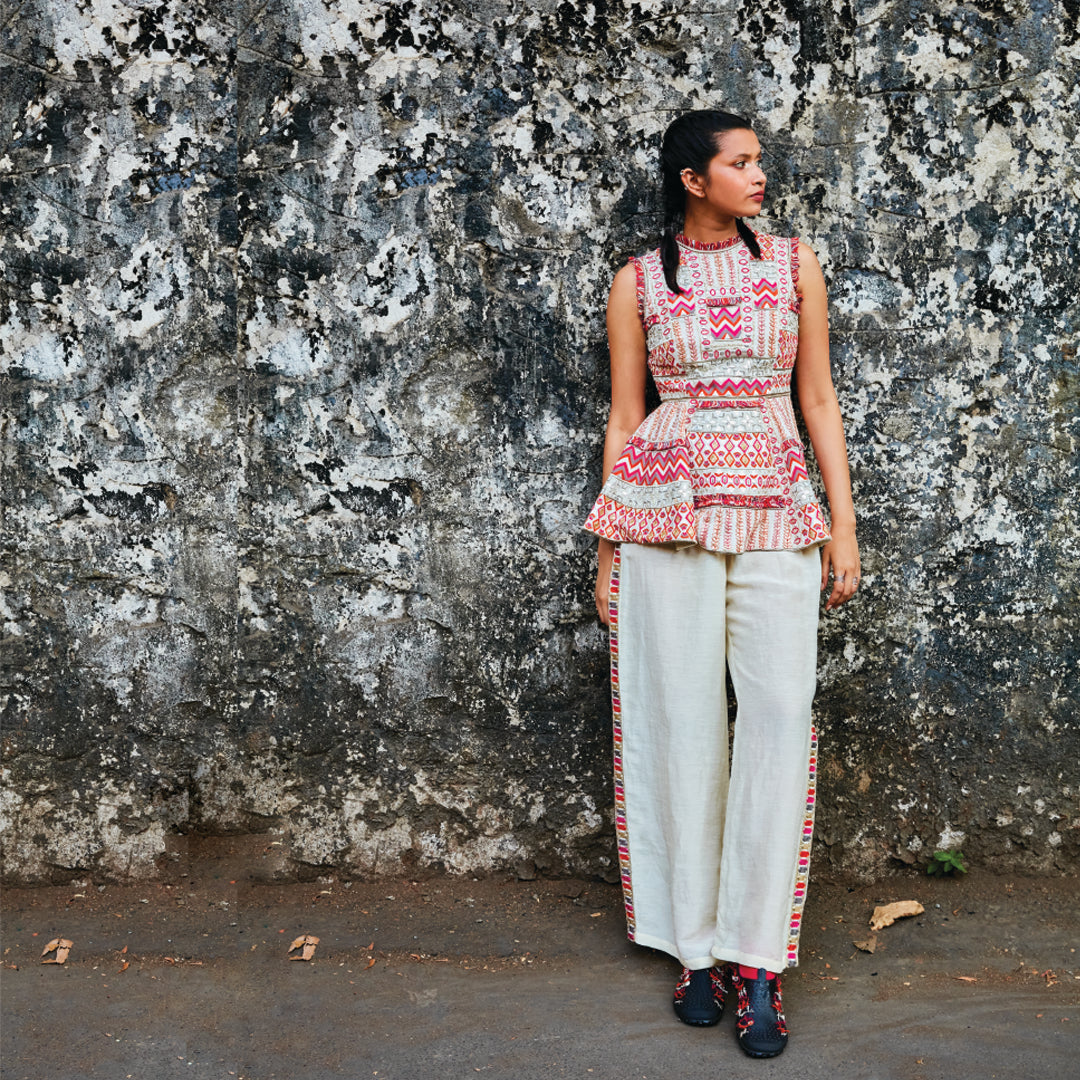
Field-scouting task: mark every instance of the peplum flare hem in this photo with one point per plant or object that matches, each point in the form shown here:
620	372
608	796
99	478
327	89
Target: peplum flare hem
725	529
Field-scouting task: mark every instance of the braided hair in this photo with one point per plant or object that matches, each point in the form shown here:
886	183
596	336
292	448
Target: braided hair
691	142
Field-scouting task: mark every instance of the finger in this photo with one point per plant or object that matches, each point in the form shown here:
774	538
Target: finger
850	586
841	582
826	562
853	583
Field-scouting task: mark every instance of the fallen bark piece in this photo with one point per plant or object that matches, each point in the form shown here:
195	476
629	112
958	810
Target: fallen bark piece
61	946
887	914
306	944
869	945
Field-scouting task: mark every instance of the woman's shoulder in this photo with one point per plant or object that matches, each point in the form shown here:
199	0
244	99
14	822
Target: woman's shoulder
638	266
628	284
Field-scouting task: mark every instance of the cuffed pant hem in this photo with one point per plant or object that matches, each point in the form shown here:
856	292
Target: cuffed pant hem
694	963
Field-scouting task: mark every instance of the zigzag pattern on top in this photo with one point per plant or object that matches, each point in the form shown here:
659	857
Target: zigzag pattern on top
725	321
733	388
683	304
766	293
795	460
796	465
647	465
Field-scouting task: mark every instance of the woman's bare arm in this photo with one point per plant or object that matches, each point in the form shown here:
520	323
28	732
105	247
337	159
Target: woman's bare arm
626	343
821	411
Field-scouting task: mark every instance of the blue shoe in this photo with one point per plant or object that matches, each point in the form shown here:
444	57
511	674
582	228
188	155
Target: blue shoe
760	1028
699	997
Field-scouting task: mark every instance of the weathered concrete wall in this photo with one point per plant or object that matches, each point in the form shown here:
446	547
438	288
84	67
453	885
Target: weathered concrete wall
303	320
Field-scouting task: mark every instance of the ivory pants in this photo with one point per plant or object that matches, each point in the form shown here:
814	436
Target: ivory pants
714	858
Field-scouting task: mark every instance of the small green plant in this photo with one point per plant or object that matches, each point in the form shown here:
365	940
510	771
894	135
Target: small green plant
947	862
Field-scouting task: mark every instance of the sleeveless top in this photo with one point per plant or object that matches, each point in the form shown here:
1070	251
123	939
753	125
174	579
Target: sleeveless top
720	462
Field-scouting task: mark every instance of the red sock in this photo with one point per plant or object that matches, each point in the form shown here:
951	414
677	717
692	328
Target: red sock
751	973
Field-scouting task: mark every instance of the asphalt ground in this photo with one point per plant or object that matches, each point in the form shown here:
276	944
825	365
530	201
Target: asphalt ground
451	978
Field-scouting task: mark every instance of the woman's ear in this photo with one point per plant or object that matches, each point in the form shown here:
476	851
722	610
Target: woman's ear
694	184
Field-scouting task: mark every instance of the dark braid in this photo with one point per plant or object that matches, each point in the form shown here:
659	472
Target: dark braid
691	142
749	237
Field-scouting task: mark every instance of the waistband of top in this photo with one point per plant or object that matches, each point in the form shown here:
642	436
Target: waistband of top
729	390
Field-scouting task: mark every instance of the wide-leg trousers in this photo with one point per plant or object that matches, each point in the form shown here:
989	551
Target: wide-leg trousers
714	856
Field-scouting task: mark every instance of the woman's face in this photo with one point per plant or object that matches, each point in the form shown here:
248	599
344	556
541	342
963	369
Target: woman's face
734	184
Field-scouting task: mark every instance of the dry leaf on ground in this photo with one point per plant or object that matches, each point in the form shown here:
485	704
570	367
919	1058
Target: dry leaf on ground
306	944
887	914
869	945
965	978
62	947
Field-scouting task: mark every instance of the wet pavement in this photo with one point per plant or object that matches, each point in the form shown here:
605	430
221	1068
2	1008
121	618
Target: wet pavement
450	977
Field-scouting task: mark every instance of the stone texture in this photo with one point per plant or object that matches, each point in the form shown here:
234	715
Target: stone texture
305	385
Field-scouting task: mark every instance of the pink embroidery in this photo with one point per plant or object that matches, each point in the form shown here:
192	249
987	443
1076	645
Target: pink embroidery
796	303
700	245
803	870
622	838
639	284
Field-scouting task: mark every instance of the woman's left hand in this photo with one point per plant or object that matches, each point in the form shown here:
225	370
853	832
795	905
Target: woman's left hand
840	558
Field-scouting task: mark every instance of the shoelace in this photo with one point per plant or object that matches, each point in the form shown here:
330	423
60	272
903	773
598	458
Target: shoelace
745	1019
716	978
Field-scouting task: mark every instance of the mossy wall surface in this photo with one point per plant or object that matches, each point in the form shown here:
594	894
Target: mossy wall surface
302	322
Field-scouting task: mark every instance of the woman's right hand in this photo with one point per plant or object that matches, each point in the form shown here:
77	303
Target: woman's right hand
606	556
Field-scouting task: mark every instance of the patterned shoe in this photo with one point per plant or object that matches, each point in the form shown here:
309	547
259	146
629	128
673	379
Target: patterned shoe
699	997
761	1029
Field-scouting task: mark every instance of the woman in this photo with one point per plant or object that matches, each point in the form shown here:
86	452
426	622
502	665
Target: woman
713	549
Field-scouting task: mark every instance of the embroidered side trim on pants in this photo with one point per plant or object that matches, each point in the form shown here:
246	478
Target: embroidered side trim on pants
621	836
803	871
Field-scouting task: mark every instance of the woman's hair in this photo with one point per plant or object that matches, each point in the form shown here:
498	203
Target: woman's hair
690	142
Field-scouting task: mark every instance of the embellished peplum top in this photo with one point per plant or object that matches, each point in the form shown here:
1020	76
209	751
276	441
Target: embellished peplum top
720	462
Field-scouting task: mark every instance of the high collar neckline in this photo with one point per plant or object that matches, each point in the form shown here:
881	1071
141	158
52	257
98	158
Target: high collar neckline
700	245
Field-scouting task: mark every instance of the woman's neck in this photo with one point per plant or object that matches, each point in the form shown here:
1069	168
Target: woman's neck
709	229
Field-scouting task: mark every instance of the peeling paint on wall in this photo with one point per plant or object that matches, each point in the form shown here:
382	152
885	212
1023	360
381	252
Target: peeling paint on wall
304	393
